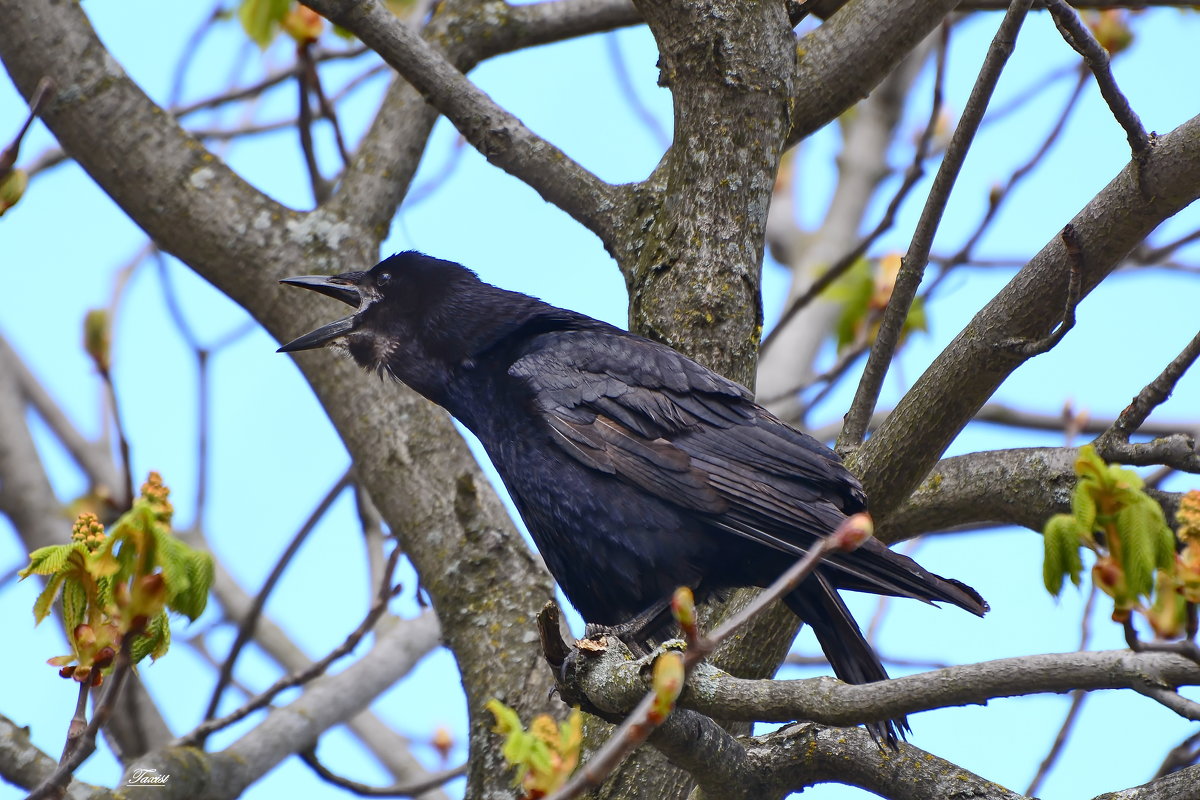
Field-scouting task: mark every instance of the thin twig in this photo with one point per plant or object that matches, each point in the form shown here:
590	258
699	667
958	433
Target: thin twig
328	111
831	376
171	300
85	744
247	623
41	95
411	789
305	82
203	437
1060	740
272	80
373	536
1096	57
1153	395
996	199
1154	255
1182	755
1078	698
257	129
620	71
205	729
427	187
118	425
190	48
912	176
1022	98
917	258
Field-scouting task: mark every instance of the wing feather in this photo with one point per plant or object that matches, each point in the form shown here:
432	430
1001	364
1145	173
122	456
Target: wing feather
630	407
646	414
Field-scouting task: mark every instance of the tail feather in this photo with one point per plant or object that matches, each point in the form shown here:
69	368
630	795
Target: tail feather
877	569
818	604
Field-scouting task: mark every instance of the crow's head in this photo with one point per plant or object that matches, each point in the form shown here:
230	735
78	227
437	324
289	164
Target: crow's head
415	317
407	290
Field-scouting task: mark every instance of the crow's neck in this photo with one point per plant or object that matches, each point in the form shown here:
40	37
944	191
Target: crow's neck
465	333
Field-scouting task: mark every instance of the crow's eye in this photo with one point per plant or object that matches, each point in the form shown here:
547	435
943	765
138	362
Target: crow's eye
382	278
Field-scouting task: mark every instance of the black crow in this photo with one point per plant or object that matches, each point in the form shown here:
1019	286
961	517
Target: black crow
636	469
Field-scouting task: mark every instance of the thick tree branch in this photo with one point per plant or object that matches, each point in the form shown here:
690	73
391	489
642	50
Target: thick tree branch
1024	486
1179	785
498	135
804	755
378	179
399	645
615	685
22	764
841	61
971	367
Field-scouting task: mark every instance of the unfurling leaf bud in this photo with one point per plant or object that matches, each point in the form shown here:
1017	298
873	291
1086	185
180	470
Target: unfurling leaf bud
1111	29
1107	574
85	637
667	683
683	607
442	741
12	187
97	338
104	658
853	531
302	24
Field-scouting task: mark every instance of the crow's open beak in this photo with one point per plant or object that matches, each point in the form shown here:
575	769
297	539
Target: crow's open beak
339	287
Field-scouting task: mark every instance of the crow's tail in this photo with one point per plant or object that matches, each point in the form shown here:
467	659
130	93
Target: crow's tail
819	605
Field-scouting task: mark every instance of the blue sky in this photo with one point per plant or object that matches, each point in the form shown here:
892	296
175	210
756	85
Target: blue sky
70	238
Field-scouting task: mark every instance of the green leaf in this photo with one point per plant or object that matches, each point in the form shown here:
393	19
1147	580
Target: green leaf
172	555
41	606
74	605
507	720
1061	542
199	567
48	560
105	591
1124	477
1164	537
260	19
1083	506
1135	527
1088	464
154	641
